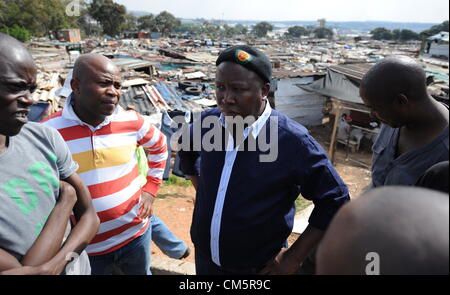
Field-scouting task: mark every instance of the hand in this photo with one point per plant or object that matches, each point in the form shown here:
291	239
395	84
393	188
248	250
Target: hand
67	193
45	269
146	205
281	264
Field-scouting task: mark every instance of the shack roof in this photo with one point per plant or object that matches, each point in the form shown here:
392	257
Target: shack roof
354	71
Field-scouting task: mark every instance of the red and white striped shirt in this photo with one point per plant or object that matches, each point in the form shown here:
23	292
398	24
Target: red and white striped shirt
108	164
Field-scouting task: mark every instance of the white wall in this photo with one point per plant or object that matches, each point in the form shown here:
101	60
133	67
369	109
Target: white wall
439	49
299	105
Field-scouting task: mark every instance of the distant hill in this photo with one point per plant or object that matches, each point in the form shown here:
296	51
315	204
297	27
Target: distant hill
345	27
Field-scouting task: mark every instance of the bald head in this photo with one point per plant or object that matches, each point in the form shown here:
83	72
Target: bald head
17	83
406	228
96	86
393	76
87	63
13	53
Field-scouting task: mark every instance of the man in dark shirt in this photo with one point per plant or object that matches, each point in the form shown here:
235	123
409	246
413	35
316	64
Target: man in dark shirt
246	189
414	134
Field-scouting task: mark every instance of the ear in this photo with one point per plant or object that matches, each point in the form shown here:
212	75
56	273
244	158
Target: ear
75	84
402	99
265	89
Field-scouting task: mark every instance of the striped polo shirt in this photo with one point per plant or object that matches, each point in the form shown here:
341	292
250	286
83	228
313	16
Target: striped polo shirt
107	158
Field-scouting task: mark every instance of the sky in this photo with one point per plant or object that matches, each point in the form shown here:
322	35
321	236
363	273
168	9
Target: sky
422	11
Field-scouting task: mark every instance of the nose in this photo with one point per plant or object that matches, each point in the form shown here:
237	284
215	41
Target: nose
26	99
113	91
228	97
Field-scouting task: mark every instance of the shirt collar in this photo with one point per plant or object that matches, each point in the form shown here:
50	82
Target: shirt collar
257	125
69	113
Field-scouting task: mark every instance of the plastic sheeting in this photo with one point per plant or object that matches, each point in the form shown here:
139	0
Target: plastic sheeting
335	85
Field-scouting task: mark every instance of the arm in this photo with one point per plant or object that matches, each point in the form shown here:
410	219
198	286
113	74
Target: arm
80	236
50	239
287	261
320	183
82	233
155	145
7	261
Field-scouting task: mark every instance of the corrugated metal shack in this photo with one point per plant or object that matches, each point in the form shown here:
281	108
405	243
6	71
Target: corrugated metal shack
302	106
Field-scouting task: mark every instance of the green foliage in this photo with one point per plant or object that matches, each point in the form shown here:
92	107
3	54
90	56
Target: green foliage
36	16
241	29
175	180
301	203
261	29
381	34
296	31
16	31
110	15
147	23
407	35
189	28
322	33
211	29
166	23
130	24
435	30
398	35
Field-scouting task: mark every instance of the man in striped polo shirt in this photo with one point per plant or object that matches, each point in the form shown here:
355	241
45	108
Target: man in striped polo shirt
103	139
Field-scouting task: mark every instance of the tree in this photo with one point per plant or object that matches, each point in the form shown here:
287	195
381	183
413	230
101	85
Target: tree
407	35
130	23
322	33
435	30
147	23
297	31
38	17
396	34
211	29
261	29
229	31
381	34
241	29
166	23
109	14
16	31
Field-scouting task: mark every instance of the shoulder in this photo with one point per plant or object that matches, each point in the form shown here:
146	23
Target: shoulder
36	131
211	112
288	127
59	121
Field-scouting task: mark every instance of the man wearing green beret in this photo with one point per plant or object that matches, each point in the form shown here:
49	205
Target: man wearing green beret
252	165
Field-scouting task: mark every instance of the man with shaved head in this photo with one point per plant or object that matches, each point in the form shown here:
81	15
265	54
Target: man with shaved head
414	135
35	205
103	139
394	230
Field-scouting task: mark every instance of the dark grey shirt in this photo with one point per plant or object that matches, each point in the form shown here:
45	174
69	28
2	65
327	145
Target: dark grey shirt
408	167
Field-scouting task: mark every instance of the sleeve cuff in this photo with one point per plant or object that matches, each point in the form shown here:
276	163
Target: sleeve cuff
151	187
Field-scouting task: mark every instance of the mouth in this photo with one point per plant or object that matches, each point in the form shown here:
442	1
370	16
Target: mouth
228	113
21	115
109	102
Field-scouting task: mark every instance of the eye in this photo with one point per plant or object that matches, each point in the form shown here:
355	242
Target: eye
16	87
118	86
33	88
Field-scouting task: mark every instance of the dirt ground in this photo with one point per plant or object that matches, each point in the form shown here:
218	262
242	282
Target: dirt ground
175	205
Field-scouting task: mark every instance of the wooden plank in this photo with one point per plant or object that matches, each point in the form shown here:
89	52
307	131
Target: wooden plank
334	133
